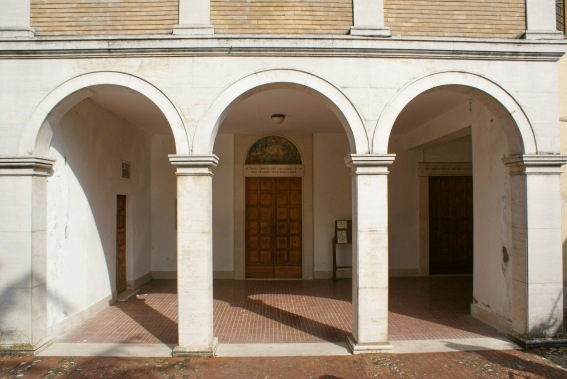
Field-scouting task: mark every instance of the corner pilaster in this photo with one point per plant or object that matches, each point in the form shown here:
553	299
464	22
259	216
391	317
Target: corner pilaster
540	20
194	18
368	19
15	19
23	200
537	274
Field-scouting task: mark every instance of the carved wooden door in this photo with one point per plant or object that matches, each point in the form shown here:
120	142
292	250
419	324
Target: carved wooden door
450	225
120	243
273	228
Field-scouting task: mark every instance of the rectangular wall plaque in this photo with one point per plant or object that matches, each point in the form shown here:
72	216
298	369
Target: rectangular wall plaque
273	170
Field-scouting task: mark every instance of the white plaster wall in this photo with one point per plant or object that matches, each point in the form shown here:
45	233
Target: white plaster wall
492	218
81	213
403	206
332	200
163	194
223	206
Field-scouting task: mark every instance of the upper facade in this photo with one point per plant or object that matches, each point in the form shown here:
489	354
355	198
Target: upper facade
484	19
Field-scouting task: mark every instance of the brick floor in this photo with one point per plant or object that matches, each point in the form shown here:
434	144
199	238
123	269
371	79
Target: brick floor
290	311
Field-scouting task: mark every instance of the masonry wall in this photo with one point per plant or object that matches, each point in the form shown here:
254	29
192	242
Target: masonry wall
456	18
416	18
81	212
68	17
281	16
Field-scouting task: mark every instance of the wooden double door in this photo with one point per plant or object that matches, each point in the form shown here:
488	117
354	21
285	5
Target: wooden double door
450	225
273	227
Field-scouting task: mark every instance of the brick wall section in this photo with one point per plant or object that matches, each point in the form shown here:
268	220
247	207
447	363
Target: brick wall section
332	17
456	18
107	17
421	18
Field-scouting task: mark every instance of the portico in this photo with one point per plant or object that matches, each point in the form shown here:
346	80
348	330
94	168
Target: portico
168	122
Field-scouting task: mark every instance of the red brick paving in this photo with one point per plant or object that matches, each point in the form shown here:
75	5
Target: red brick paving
290	312
483	364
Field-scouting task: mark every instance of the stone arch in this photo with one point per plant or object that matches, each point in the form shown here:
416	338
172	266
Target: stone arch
37	133
520	136
255	83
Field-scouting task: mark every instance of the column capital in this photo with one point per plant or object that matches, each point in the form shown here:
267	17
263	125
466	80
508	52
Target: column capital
25	166
194	165
369	164
536	164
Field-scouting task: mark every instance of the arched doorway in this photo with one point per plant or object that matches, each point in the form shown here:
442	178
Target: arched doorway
106	139
320	194
464	126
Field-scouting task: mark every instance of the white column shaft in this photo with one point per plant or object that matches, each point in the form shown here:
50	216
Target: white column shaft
370	253
195	254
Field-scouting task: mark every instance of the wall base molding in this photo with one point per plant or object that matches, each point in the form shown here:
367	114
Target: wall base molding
491	319
74	321
25	348
164	274
136	283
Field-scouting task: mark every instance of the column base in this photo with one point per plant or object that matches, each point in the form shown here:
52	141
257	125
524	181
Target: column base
26	348
196	351
367	348
193	29
534	343
543	35
370	31
16	32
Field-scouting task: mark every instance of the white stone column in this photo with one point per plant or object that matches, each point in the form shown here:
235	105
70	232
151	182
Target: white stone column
368	19
540	20
194	17
370	252
15	18
23	287
195	254
537	274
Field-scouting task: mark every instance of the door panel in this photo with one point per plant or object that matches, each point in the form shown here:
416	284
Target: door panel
450	225
273	227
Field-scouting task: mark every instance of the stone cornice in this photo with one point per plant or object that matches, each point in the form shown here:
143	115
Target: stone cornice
369	164
25	166
280	46
194	165
540	164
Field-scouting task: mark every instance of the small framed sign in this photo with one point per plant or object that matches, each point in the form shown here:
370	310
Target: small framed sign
343	231
125	170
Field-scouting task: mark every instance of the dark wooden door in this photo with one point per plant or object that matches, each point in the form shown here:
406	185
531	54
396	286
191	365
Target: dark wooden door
450	225
120	243
273	228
